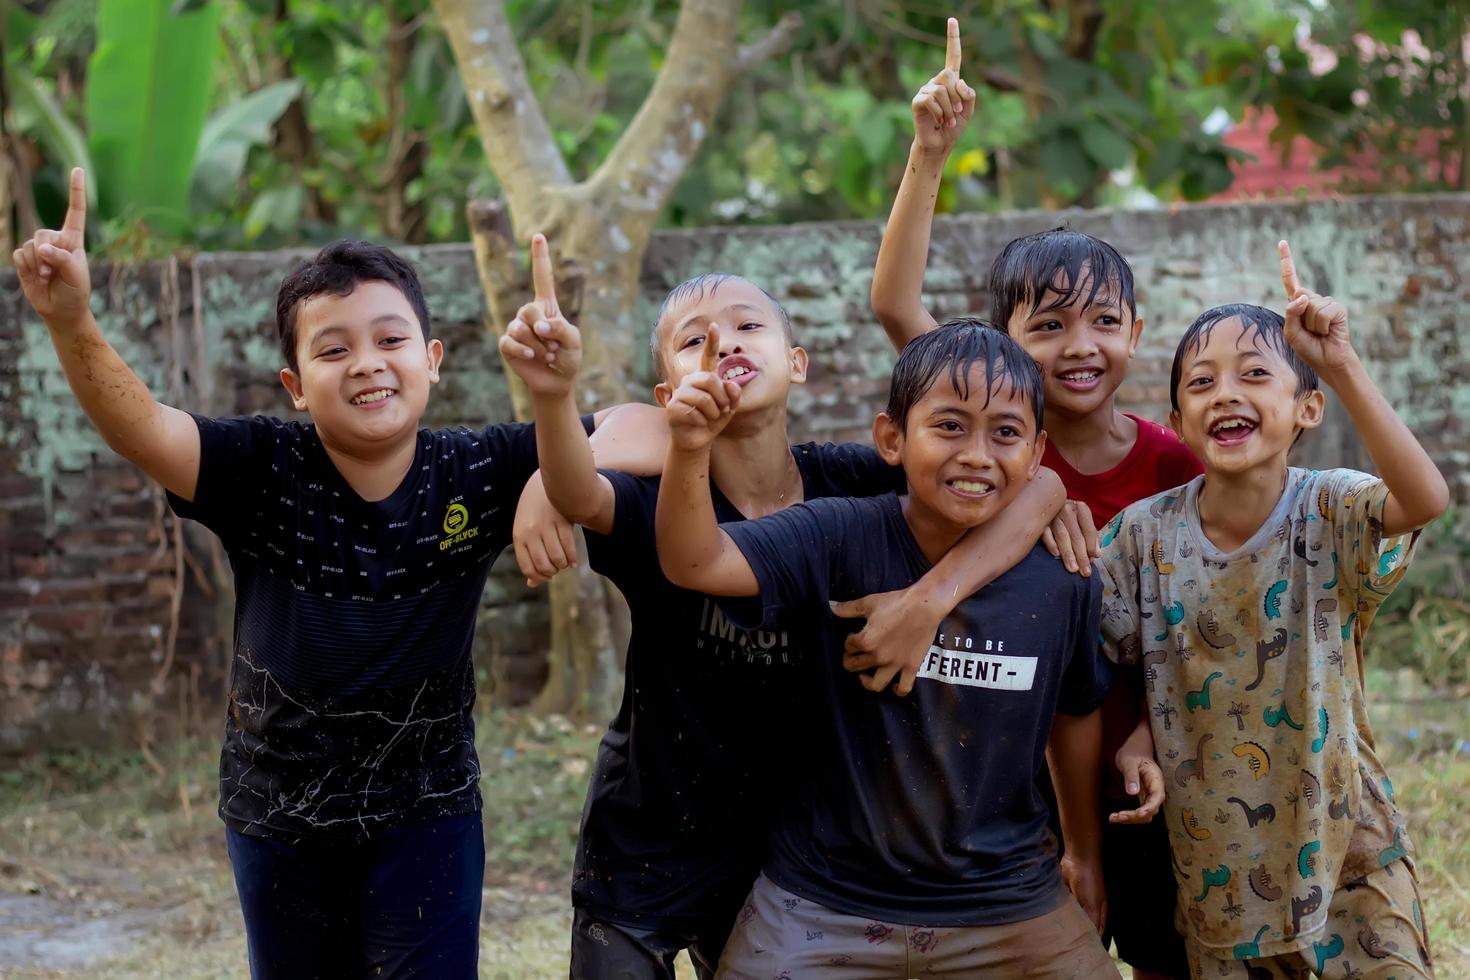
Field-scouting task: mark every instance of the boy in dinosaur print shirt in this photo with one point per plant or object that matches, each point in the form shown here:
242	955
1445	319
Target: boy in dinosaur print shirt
1245	595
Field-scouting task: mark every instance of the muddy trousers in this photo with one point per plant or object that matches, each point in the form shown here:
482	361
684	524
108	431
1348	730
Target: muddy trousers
404	904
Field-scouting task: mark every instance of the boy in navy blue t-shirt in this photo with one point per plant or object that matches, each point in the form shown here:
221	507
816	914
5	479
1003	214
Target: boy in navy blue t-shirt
360	543
915	842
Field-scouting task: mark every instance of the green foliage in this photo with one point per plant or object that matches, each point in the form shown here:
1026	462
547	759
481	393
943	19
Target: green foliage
147	95
36	111
229	136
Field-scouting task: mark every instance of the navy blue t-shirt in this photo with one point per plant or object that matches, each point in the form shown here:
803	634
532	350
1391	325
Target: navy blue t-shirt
924	809
351	686
674	829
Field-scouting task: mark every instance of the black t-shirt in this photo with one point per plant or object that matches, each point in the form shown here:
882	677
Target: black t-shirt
924	809
351	687
677	811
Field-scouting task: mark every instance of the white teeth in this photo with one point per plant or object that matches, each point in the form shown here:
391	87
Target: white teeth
971	486
1229	424
735	372
373	396
1080	375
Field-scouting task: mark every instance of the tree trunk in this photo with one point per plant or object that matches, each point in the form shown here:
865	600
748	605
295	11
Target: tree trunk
293	140
407	150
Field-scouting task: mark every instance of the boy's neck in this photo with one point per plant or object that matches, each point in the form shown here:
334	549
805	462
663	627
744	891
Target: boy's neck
751	463
373	475
1095	442
934	535
1233	506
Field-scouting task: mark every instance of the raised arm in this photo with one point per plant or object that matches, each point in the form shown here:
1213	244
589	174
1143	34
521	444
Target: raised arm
162	441
692	550
941	109
545	349
1317	328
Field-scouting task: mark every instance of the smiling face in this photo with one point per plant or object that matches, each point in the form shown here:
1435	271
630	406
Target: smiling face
755	348
364	368
1240	406
1083	347
965	454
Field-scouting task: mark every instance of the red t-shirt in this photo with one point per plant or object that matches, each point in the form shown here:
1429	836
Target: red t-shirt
1158	461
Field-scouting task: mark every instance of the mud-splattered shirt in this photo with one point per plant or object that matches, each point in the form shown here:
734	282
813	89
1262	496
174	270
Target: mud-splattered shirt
351	687
1253	668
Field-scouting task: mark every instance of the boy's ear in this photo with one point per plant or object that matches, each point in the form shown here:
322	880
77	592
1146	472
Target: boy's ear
1176	422
1311	409
662	392
1036	457
888	439
799	364
292	384
1136	338
436	357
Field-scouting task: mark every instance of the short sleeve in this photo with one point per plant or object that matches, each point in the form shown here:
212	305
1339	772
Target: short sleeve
236	457
790	553
510	447
629	545
1121	618
1370	565
849	470
1088	676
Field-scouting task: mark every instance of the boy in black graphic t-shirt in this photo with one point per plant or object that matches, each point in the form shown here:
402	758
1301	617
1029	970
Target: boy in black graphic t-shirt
915	842
690	770
360	543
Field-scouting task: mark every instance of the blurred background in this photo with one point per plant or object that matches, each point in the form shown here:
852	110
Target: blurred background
650	139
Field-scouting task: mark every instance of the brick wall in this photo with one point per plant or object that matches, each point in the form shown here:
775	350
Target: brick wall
91	570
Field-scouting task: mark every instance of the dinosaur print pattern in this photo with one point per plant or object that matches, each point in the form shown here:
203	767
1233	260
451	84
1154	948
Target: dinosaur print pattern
1252	689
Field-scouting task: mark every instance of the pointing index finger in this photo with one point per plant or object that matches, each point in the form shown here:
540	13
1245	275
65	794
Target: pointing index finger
709	354
1288	270
952	45
76	207
543	283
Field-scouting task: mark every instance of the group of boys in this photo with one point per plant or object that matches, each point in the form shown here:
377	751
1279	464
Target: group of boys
763	799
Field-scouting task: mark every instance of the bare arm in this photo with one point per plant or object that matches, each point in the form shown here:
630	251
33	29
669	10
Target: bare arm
1317	328
631	438
941	109
162	441
1074	756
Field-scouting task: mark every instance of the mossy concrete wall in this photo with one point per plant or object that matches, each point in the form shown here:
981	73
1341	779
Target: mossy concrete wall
106	622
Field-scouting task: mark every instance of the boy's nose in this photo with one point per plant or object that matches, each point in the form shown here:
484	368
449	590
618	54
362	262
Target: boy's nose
369	363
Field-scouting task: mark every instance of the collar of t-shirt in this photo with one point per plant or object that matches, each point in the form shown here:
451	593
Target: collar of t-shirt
1256	541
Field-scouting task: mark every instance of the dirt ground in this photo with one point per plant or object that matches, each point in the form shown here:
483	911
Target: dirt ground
113	864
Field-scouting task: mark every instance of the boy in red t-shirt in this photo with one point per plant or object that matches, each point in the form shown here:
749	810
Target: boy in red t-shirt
1067	298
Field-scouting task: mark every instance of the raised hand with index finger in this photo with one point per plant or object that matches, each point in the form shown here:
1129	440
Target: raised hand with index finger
702	405
540	345
943	106
52	265
1316	326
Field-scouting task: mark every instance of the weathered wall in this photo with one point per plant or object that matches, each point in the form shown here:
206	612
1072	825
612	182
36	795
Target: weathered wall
89	572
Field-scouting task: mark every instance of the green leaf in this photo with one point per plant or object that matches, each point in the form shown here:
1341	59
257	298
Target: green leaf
148	86
1168	157
228	136
39	115
277	209
1105	144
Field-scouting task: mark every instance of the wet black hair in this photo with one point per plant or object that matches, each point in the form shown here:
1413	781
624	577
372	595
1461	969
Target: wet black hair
337	269
1263	326
1076	265
958	345
695	288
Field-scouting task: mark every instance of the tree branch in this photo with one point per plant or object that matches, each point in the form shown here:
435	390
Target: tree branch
776	42
513	130
658	145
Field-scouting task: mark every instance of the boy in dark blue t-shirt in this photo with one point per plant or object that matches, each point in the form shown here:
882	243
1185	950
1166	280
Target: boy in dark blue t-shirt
690	770
360	543
915	841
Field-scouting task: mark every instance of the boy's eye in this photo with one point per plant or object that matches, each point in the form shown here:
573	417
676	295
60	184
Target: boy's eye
750	325
394	340
1046	326
949	425
1108	320
693	341
331	351
1202	379
1008	432
1258	372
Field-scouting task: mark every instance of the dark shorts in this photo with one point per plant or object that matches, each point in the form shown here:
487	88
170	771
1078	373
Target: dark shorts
1139	877
606	950
404	904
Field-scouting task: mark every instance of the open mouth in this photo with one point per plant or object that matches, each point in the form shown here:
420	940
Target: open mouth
970	489
738	369
1231	430
374	397
1080	379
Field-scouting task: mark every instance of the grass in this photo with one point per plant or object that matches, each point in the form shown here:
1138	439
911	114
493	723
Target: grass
131	840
